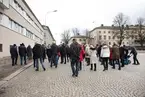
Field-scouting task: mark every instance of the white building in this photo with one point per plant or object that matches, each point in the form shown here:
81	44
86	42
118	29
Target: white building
48	37
106	34
18	24
80	39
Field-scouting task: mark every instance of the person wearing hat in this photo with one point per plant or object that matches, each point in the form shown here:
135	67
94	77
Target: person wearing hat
14	54
93	57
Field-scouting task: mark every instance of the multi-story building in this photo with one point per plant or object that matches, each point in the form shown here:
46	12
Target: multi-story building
18	24
80	39
48	37
106	34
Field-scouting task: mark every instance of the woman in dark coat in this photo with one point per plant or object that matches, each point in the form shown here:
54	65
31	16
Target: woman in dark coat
48	52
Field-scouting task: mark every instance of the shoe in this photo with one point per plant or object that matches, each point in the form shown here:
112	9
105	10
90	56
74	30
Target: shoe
122	66
36	70
119	68
76	75
64	63
138	64
94	69
104	69
133	64
44	69
91	69
55	66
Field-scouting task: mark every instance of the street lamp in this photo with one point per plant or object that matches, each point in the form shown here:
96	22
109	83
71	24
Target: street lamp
48	13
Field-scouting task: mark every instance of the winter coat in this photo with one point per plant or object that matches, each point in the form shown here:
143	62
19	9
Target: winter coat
122	52
111	53
63	50
13	51
49	53
75	51
133	51
54	49
29	51
99	50
82	53
115	52
43	52
22	51
37	51
93	56
87	50
105	52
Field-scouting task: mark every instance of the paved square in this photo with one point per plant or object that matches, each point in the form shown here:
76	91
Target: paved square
129	82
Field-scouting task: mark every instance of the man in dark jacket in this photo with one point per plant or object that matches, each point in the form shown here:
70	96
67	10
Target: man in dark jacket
29	52
74	56
37	53
49	53
134	52
63	53
67	53
43	52
22	53
55	50
122	55
14	54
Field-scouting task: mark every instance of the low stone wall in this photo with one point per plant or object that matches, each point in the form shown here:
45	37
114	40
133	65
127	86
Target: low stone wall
5	60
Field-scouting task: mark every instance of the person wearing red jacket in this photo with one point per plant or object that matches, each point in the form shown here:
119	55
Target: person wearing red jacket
82	53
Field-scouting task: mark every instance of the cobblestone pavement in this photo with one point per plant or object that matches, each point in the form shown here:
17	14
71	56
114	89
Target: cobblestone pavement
129	82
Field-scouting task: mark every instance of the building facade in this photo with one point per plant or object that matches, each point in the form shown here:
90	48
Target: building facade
106	34
48	37
80	39
18	24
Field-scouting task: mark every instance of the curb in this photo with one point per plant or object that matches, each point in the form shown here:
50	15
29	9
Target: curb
6	79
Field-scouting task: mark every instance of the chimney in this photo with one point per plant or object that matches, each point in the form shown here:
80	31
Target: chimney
102	25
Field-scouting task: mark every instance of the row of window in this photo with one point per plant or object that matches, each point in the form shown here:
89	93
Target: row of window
134	32
111	43
9	23
104	37
19	9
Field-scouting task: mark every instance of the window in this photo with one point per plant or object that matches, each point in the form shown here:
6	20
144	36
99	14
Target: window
1	47
16	28
109	43
99	31
104	37
108	31
100	37
127	42
19	29
104	31
84	39
132	37
13	25
10	23
1	15
24	31
135	37
109	37
80	39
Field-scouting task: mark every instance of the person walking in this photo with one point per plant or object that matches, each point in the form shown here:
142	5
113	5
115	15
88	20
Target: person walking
82	53
29	52
67	53
105	54
14	54
93	58
87	54
38	53
122	55
116	56
134	53
54	50
22	53
74	55
43	52
63	53
49	53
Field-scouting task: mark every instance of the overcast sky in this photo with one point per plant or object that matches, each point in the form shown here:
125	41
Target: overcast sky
82	13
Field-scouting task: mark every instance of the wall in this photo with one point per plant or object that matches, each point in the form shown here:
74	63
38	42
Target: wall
10	37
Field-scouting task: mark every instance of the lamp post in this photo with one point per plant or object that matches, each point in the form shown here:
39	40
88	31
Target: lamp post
48	13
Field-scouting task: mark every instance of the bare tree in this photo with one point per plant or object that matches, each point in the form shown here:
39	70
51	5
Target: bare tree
140	31
87	34
76	31
120	21
66	36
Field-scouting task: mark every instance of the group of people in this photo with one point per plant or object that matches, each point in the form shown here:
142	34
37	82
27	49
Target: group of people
22	51
75	53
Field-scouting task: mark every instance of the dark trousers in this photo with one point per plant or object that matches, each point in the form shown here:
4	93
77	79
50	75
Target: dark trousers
74	66
135	59
34	63
88	61
122	62
67	57
80	66
63	59
54	60
94	66
111	62
23	58
116	61
105	63
37	63
14	60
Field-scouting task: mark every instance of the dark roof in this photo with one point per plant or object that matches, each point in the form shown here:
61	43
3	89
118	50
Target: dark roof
48	31
31	11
